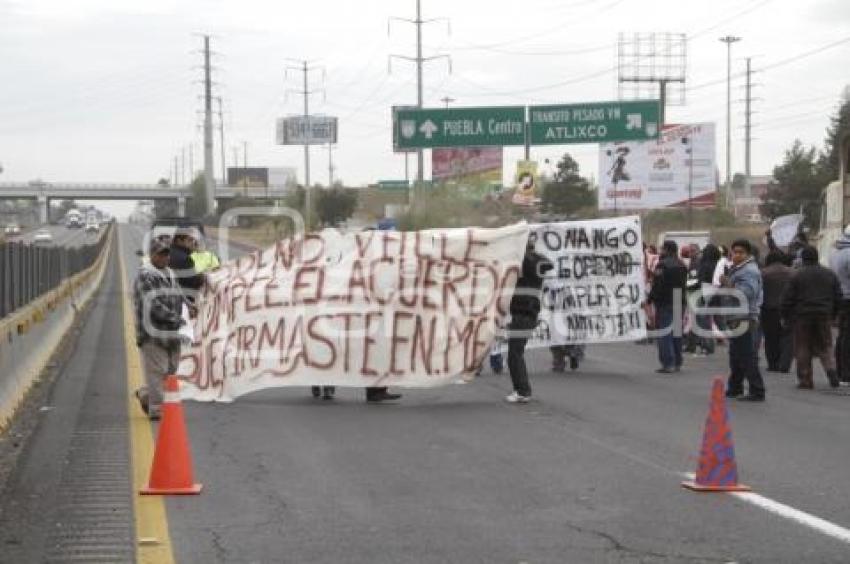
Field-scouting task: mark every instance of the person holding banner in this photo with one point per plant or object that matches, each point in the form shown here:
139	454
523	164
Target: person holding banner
524	309
669	283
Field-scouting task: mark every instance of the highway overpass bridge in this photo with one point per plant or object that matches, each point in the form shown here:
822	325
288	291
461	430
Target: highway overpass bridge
44	192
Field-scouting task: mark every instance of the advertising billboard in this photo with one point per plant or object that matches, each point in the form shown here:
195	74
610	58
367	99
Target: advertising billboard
309	130
476	170
250	177
678	167
526	181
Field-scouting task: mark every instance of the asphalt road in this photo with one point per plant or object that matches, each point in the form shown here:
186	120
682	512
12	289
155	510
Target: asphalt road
588	472
62	236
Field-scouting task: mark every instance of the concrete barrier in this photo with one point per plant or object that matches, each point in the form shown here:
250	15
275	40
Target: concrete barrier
30	335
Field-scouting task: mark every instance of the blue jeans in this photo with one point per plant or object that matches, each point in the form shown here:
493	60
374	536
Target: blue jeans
670	343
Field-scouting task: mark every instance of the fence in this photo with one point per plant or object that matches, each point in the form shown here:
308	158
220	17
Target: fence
28	271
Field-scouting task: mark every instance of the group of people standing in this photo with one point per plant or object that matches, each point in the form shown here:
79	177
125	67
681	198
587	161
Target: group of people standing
789	303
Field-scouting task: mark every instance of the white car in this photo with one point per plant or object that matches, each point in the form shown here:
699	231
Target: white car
92	227
13	229
42	236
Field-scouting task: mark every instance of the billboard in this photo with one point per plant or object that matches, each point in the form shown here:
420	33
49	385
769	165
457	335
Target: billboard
658	174
250	177
526	180
467	164
306	130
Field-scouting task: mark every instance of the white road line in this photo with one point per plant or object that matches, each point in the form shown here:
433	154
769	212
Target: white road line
807	519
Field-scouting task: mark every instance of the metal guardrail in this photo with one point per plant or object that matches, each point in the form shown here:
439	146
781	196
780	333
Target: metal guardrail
28	271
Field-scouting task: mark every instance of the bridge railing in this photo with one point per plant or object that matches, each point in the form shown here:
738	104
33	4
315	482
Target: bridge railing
28	271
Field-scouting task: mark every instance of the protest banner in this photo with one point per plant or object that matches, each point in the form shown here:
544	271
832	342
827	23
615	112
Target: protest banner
375	308
594	293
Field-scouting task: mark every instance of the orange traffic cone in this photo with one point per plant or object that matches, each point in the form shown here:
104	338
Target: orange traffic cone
717	471
171	472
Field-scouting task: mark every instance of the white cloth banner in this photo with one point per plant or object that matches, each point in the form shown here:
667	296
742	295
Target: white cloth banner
596	290
785	228
376	308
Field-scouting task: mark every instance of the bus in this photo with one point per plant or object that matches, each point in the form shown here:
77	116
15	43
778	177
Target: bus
835	208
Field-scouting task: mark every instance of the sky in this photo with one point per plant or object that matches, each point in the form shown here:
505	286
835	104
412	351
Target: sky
106	91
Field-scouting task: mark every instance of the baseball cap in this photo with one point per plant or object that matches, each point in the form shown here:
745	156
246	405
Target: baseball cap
158	246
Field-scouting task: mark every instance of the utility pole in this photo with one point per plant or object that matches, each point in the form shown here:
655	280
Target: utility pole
221	140
209	179
176	172
420	61
748	124
183	165
305	68
729	40
244	154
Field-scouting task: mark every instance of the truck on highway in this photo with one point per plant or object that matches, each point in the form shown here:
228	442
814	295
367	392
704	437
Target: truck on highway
74	219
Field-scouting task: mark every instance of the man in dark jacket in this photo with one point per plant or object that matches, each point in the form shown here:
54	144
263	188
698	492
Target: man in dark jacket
525	307
158	307
778	345
181	263
810	304
669	283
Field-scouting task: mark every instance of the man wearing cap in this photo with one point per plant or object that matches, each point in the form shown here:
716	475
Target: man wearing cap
181	263
158	306
840	263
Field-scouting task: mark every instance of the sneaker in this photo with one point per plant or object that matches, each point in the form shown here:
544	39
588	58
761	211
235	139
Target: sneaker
664	370
573	363
316	391
734	395
844	384
516	398
328	392
142	396
154	413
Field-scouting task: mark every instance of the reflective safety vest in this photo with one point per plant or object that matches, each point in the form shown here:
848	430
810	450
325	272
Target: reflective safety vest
204	261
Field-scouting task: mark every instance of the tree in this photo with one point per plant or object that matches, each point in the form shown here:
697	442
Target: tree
799	181
839	128
335	205
568	191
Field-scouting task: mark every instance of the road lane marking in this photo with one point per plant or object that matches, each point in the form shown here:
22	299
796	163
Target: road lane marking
807	519
153	542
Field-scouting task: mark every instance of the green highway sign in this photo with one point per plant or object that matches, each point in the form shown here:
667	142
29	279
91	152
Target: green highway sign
391	185
594	122
459	127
